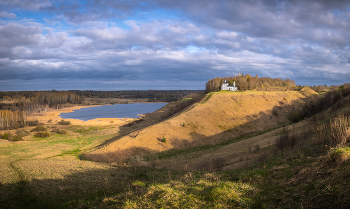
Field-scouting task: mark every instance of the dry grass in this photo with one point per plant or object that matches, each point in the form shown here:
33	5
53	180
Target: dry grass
224	116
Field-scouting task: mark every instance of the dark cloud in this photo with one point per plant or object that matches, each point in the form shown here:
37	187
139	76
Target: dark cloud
176	41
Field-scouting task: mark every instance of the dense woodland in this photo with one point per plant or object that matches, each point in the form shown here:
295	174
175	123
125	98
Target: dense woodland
151	95
248	82
12	119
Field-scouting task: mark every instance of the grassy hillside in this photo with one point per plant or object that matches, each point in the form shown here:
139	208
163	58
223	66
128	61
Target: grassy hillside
219	117
307	167
247	162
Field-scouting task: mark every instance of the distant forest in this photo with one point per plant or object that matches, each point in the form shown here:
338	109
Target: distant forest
151	95
248	82
36	100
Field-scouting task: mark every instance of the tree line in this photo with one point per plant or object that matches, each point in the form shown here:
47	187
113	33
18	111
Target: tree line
12	119
37	100
247	82
51	98
151	95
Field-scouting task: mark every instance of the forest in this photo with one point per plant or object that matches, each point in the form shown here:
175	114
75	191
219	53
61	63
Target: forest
151	95
248	82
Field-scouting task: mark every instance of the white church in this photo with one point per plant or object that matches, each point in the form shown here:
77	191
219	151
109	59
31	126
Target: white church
227	87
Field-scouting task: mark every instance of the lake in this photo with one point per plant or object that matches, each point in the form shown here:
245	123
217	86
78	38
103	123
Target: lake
113	111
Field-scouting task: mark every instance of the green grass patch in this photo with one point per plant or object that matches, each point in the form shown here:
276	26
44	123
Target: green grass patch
184	100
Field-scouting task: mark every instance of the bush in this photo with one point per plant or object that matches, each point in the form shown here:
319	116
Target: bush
163	139
32	123
62	131
16	138
339	133
5	136
63	122
42	134
39	128
59	131
22	133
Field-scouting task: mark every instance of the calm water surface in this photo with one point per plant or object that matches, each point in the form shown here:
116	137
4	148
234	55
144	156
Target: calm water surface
113	111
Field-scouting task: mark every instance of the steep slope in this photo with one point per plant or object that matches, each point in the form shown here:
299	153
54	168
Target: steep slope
220	117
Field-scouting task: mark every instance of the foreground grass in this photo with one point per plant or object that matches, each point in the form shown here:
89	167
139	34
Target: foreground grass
191	190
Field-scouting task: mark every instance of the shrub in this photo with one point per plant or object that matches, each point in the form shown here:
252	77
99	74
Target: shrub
42	134
62	132
5	136
163	139
63	122
32	122
338	126
22	133
49	121
338	156
16	138
39	128
59	131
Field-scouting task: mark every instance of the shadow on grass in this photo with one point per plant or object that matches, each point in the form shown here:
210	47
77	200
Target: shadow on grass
120	187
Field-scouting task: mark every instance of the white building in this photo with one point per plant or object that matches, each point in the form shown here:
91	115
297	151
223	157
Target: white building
227	87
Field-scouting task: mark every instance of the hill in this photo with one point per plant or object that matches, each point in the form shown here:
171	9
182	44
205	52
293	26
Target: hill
217	118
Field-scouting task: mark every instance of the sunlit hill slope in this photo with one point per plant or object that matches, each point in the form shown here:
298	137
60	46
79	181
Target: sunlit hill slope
216	118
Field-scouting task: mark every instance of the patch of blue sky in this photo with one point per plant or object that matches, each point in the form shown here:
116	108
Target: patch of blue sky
194	49
38	17
154	14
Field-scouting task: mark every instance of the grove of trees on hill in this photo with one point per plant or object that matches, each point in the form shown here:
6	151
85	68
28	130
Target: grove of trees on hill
247	82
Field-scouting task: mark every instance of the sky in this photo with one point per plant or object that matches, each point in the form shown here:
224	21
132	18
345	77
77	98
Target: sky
167	44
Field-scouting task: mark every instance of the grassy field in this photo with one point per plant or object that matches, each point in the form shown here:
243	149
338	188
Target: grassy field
247	170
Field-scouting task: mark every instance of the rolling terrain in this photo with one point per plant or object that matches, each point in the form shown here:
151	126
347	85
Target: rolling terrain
222	150
217	118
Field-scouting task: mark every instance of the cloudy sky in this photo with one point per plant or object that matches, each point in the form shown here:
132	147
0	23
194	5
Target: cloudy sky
168	44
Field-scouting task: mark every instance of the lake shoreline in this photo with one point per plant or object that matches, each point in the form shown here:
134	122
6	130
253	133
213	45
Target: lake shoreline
119	111
54	115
